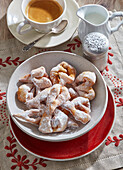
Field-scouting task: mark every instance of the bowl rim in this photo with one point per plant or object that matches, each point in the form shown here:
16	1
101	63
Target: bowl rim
53	138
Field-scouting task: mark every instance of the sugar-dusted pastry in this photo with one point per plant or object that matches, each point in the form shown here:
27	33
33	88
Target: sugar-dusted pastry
55	123
62	74
36	73
79	108
45	124
40	78
90	94
37	91
26	79
42	109
59	102
85	80
65	110
57	96
72	124
38	99
31	116
42	83
83	84
73	93
59	121
39	72
25	92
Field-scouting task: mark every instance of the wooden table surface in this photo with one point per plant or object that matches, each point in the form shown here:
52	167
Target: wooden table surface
5	34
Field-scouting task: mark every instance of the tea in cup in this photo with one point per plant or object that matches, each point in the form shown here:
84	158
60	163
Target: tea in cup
42	15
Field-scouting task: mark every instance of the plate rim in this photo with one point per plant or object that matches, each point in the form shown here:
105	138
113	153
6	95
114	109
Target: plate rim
74	158
66	139
40	46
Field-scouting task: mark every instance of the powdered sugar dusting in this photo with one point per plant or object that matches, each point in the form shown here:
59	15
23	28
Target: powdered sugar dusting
95	42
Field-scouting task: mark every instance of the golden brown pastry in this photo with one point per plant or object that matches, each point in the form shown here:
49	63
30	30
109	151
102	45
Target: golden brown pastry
39	72
25	92
55	123
83	84
57	96
40	78
26	79
41	97
79	108
32	116
62	74
58	102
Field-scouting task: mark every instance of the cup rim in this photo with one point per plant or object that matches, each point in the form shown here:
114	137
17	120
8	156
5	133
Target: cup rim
96	25
44	23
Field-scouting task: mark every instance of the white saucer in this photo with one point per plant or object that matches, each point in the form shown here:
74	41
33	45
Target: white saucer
14	17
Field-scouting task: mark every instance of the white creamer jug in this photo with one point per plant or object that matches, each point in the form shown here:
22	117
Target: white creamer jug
95	18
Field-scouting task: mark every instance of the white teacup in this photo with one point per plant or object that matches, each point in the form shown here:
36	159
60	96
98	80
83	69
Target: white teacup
39	26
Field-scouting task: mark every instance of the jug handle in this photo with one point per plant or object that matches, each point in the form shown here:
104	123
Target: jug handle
116	14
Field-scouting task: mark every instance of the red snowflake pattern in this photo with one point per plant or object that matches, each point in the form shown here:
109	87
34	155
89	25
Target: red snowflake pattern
18	160
114	140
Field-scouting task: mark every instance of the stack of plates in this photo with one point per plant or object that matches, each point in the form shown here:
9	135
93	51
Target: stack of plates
62	146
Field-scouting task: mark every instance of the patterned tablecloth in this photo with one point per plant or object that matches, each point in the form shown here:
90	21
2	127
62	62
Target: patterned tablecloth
108	156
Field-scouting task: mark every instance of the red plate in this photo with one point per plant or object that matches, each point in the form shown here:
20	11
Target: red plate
73	149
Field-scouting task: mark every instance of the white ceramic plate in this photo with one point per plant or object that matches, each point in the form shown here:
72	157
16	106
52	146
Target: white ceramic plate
49	60
14	17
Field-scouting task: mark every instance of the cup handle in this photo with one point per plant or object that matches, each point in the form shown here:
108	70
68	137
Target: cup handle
21	25
116	14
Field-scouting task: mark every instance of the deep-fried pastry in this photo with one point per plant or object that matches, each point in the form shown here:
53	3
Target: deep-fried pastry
59	121
58	102
31	116
37	100
56	123
26	79
90	94
83	84
57	96
40	78
42	83
37	91
73	93
39	72
63	109
79	108
62	74
36	73
72	124
45	124
85	80
25	92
